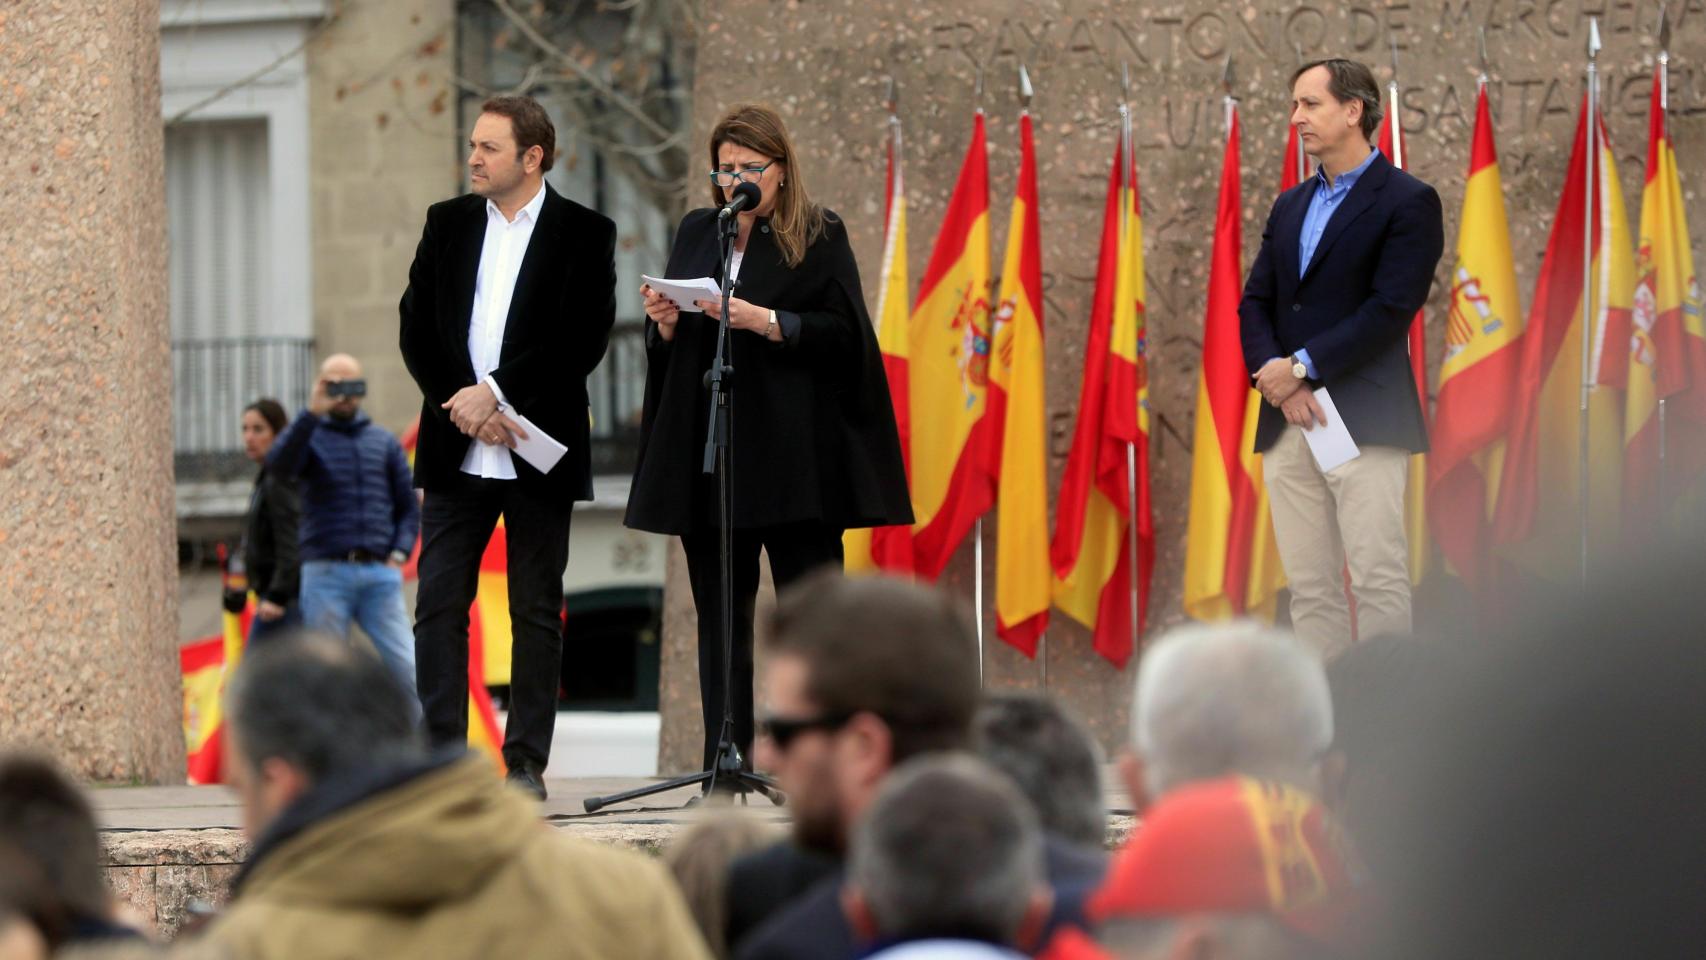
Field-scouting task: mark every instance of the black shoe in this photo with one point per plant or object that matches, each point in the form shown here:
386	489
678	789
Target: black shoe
528	779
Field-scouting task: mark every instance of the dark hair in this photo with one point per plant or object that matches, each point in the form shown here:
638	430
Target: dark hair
320	705
872	644
47	821
1349	80
1051	757
271	411
948	849
530	124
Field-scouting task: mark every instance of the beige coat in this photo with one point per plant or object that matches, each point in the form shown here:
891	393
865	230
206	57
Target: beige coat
451	865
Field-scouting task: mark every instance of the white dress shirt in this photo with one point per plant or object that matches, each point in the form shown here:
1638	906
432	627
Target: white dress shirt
500	262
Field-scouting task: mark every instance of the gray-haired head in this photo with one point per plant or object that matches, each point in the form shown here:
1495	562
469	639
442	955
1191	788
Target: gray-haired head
1349	80
320	705
1234	698
1052	758
949	849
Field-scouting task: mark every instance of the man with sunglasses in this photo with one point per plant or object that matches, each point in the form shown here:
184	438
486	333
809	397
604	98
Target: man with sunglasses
859	675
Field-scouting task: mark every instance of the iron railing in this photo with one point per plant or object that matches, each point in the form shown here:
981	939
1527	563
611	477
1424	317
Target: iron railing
213	380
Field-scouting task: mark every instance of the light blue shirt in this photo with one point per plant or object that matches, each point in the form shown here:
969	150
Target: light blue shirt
1327	199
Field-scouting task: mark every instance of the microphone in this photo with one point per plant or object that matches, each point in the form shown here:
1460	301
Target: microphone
746	195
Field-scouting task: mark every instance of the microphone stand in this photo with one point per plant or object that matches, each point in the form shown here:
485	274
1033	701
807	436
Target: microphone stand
729	766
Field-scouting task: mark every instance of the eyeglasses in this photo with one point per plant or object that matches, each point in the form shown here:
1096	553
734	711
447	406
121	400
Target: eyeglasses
728	178
783	730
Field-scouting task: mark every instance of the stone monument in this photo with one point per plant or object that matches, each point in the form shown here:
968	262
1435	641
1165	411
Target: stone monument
825	66
88	582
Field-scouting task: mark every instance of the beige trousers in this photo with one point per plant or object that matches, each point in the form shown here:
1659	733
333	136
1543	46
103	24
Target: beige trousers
1322	522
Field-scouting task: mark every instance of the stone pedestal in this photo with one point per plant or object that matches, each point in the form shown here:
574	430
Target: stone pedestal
88	618
825	65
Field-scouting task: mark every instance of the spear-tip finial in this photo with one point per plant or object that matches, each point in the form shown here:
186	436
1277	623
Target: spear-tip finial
1664	28
1481	39
1593	38
1125	81
1226	77
891	98
1025	91
1392	38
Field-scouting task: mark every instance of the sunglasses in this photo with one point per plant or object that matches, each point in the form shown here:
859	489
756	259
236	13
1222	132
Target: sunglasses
783	730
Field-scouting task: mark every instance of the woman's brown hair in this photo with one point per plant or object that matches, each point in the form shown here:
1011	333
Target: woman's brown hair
797	222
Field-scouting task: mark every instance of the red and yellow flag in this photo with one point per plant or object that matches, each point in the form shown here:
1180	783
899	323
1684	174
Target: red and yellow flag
1223	492
1478	374
1018	421
1537	524
1092	548
890	548
1267	575
1667	349
948	366
1396	148
206	665
489	647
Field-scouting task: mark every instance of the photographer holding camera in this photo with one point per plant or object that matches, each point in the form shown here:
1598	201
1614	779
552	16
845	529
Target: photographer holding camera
359	516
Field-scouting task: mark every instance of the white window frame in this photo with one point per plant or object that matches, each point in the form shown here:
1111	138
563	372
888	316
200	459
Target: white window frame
210	47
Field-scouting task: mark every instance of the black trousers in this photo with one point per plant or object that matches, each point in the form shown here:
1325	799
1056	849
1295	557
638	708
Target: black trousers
794	550
456	524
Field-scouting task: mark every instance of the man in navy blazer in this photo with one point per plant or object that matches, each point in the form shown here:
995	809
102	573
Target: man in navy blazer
1347	259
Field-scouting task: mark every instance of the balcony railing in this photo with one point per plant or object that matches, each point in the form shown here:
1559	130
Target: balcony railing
213	380
617	391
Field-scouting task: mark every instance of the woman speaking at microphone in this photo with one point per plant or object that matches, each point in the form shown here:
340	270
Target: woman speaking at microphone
813	446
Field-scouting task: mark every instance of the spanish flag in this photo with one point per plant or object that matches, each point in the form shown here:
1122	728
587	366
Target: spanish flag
1478	375
1396	148
1538	524
1667	352
206	665
1092	548
489	648
1018	421
1223	491
890	548
1267	574
948	366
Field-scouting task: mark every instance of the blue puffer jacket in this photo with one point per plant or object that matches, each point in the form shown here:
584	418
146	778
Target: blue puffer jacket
357	493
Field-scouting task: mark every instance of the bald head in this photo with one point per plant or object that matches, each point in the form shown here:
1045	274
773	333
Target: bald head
341	366
1233	698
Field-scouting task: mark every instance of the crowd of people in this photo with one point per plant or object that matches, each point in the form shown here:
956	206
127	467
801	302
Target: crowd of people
1535	793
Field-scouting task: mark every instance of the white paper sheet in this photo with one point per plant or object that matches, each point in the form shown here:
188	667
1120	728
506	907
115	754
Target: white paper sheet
1332	444
683	292
539	449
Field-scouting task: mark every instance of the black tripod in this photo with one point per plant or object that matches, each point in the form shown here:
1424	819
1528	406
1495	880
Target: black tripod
729	767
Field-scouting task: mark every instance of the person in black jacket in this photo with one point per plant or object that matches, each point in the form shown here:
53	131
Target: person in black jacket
509	307
814	447
359	516
269	550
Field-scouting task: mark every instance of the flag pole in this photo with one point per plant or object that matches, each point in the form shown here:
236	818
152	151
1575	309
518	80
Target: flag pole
1584	477
1126	163
1664	131
977	543
1397	157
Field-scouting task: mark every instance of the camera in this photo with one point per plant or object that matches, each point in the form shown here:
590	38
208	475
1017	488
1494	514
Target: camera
346	388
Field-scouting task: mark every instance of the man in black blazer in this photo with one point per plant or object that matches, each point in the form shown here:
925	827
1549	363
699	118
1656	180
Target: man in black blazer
1347	259
509	306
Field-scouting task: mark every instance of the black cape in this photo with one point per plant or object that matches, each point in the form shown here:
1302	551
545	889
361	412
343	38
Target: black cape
813	431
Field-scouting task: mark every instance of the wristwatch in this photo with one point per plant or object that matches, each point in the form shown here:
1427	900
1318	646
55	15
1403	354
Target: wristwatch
399	557
1298	370
771	326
